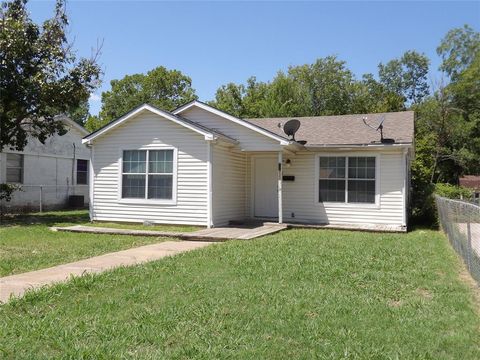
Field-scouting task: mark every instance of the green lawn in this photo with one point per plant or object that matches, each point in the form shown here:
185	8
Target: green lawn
297	294
27	244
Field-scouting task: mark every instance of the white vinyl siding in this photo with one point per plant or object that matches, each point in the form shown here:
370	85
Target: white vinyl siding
228	185
150	131
300	197
249	139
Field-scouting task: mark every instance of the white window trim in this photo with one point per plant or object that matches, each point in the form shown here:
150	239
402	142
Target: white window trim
346	204
172	201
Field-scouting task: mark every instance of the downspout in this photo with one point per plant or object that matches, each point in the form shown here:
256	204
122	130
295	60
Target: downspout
279	187
73	166
91	179
209	184
405	187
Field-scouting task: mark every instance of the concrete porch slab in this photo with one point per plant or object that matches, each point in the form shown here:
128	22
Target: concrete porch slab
213	234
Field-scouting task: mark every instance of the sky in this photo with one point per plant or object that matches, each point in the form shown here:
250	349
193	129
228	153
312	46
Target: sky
215	43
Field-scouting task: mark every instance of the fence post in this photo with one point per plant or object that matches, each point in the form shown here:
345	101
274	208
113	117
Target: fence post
41	198
469	247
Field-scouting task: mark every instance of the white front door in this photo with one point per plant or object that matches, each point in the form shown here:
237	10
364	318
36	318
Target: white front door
265	187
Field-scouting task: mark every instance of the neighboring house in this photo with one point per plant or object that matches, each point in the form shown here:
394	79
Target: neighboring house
472	182
51	172
198	165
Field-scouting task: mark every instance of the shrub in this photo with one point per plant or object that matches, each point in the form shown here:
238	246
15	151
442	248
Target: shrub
453	191
7	190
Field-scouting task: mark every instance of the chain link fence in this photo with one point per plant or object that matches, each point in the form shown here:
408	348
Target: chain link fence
38	198
461	222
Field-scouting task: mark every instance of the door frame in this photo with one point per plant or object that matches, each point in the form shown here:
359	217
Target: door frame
253	158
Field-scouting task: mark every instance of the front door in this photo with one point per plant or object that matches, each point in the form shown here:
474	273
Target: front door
265	187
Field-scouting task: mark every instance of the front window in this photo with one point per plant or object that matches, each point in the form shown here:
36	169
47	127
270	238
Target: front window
347	179
14	168
147	174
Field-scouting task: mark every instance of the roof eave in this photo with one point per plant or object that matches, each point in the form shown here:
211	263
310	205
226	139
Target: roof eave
326	146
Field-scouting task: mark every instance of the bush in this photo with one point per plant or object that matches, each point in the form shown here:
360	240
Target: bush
7	190
453	192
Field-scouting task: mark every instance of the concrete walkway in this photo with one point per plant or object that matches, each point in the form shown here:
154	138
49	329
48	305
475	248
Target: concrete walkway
213	234
16	285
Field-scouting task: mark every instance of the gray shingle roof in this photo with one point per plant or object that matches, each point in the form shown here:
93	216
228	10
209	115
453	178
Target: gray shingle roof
346	129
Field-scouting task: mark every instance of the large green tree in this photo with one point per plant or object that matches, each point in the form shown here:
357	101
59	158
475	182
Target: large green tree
448	122
326	87
406	76
161	87
458	50
40	75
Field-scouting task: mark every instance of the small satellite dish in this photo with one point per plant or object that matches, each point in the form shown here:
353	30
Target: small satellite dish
291	127
379	127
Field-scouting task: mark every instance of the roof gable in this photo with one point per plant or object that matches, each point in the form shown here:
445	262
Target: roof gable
209	135
261	130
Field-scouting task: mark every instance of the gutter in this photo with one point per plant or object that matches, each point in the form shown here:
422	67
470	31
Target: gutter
358	146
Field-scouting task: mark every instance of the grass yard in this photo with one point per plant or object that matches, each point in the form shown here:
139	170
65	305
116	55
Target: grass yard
27	244
297	294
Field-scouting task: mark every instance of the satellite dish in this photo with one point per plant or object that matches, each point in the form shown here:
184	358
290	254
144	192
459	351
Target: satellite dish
379	127
291	127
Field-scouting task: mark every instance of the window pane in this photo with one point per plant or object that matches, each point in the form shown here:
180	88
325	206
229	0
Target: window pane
81	178
361	167
332	167
134	161
133	186
352	172
14	160
370	173
361	173
331	190
14	175
361	191
82	165
160	161
160	186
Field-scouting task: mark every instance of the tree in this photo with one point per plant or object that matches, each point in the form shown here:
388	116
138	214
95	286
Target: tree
406	76
458	49
229	98
326	86
40	76
80	114
371	96
160	87
93	123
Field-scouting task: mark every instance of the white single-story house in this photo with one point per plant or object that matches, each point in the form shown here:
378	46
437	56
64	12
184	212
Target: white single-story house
198	165
47	174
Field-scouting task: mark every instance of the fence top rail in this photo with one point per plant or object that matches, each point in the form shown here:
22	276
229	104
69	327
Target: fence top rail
460	202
